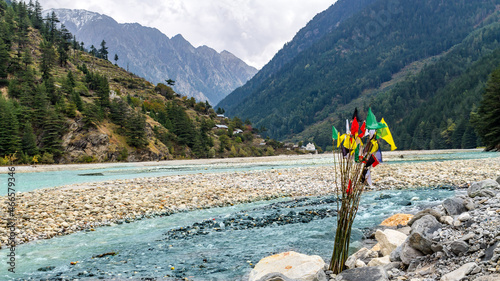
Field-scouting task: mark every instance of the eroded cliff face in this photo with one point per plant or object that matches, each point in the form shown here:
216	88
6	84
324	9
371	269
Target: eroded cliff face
101	145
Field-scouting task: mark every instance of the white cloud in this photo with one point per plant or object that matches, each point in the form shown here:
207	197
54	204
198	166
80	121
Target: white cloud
253	30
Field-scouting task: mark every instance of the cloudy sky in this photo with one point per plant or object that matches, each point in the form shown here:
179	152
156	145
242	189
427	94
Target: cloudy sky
253	30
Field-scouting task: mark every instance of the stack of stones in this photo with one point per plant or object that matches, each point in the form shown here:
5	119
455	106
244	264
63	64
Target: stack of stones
457	240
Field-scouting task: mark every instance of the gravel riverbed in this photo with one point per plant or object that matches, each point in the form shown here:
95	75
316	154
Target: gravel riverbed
45	213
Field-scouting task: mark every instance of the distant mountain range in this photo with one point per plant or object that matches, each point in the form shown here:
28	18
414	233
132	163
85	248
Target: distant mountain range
420	64
201	72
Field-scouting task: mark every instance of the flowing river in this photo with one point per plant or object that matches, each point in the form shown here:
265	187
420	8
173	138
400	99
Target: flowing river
211	244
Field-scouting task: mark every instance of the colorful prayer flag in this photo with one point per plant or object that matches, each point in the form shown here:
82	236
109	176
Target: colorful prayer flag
363	129
371	121
335	133
385	134
354	127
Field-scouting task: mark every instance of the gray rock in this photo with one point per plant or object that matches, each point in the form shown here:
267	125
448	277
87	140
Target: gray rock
437	248
485	188
391	266
464	216
498	180
447	220
494	277
405	253
364	255
364	273
489	252
425	212
458	247
275	276
419	242
459	273
426	226
468	203
454	206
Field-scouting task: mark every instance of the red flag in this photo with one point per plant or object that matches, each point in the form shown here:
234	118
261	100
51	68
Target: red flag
354	126
363	129
348	191
375	163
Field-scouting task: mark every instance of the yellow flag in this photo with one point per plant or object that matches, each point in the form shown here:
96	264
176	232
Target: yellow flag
374	146
340	139
386	135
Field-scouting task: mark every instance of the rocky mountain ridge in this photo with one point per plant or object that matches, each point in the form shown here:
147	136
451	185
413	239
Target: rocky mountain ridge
199	72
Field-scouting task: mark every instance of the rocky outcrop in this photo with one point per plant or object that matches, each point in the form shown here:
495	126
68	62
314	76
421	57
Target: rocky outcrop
291	265
457	240
99	145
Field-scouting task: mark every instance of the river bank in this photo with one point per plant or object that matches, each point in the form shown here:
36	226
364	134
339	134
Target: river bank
46	213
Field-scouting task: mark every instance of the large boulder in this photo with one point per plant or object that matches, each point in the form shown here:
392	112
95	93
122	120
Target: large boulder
486	188
426	226
364	273
419	242
292	265
454	206
389	239
459	273
423	213
405	253
498	180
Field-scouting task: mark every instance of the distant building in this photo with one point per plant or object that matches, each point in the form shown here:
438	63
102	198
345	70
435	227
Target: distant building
310	147
237	131
221	127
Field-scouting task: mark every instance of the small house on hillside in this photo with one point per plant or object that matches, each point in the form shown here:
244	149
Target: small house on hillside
220	127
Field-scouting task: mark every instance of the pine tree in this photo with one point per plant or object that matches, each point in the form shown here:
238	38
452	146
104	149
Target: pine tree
28	141
53	129
9	128
4	63
487	119
136	130
48	59
103	51
103	91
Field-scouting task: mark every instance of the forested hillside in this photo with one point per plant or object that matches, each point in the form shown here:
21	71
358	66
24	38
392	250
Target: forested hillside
403	60
61	103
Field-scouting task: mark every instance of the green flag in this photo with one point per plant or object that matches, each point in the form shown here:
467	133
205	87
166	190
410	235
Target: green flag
371	121
335	133
356	154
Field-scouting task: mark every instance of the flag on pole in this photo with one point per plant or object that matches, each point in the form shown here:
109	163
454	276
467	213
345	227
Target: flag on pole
371	121
354	127
385	134
362	129
335	133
